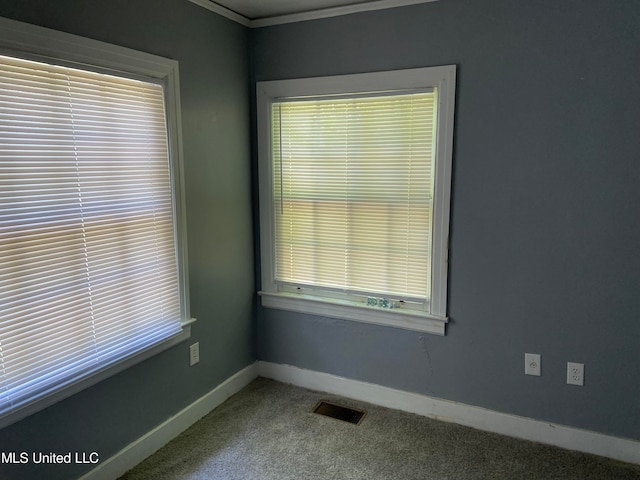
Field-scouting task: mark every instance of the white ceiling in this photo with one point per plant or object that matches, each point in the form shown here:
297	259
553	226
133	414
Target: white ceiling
259	13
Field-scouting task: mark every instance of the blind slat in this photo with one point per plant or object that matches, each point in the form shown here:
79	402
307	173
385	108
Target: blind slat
88	272
353	188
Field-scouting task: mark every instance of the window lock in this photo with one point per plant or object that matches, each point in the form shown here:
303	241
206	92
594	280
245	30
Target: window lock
382	302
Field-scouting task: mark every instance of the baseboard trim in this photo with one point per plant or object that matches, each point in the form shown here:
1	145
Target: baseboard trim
137	451
483	419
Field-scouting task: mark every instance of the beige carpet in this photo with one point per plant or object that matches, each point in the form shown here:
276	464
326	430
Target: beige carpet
267	432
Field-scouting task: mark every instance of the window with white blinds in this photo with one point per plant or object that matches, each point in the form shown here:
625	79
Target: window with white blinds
351	197
89	264
353	193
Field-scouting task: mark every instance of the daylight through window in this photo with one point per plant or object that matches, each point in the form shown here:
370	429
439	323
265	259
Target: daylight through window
355	182
88	256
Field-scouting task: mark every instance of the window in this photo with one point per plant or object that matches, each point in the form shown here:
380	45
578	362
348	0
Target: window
92	269
354	195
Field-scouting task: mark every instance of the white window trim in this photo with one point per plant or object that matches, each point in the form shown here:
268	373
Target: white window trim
38	42
441	77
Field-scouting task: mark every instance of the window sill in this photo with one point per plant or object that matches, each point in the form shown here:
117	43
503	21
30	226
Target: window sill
419	322
75	386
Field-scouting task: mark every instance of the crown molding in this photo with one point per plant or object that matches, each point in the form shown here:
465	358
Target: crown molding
224	11
304	16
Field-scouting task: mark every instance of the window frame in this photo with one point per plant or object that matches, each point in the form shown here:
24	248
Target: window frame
39	43
443	78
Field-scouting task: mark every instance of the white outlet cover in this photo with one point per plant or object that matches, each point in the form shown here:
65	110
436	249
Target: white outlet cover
575	373
532	364
194	354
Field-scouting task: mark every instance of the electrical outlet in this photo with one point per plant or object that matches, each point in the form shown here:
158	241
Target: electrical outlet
575	373
532	364
194	354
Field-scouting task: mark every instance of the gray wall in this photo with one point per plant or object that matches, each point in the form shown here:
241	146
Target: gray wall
544	214
213	56
545	223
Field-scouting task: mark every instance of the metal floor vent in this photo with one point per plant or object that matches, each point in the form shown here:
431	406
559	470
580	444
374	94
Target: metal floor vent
340	413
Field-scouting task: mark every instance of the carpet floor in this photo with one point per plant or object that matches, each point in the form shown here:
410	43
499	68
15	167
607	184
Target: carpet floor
267	431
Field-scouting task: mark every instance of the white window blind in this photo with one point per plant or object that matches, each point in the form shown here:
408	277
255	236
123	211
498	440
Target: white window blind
88	272
353	191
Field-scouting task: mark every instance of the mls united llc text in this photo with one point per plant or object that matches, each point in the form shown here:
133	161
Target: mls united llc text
50	457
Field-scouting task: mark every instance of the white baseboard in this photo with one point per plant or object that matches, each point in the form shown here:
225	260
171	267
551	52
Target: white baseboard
476	417
445	410
137	451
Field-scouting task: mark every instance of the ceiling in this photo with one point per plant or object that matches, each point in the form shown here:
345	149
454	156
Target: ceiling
260	13
255	9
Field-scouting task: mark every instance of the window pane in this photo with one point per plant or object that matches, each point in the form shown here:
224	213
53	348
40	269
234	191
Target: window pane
353	188
88	267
